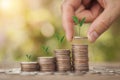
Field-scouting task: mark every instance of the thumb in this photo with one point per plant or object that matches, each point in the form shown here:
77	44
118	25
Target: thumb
101	23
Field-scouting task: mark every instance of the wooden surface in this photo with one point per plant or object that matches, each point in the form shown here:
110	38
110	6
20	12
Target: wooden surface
4	76
58	77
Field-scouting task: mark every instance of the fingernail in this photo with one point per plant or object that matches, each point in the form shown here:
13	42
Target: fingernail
93	36
89	38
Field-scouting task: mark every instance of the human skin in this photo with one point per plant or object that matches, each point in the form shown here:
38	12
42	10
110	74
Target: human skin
100	13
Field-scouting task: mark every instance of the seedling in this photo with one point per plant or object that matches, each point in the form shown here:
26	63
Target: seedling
28	56
78	23
45	49
60	38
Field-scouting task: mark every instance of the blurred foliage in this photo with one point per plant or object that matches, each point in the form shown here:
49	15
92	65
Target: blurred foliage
27	25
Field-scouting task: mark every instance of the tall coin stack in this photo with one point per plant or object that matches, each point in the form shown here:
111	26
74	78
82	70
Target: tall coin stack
63	60
80	54
47	64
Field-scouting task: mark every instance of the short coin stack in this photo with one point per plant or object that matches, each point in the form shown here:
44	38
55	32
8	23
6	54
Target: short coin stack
80	57
29	66
63	60
47	64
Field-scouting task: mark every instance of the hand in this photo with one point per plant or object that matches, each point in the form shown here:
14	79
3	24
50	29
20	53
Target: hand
101	13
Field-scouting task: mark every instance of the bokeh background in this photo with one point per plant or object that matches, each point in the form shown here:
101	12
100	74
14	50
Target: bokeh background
27	25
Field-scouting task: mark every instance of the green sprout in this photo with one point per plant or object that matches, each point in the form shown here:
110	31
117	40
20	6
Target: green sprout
28	56
60	38
79	23
45	49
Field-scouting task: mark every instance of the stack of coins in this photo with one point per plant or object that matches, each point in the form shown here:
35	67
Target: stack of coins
29	66
80	56
47	64
63	60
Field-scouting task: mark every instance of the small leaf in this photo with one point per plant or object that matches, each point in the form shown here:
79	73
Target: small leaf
82	22
75	19
46	49
43	47
61	40
57	36
27	55
30	57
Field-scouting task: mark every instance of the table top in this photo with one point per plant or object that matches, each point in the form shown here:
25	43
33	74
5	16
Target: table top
97	72
59	77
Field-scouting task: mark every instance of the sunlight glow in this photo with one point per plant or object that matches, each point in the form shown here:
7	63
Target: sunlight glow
6	5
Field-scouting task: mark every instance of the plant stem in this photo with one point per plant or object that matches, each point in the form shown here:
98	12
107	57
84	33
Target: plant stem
79	31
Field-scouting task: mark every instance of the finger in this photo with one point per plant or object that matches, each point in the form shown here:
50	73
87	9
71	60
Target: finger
90	14
86	3
80	9
67	22
67	13
96	9
101	24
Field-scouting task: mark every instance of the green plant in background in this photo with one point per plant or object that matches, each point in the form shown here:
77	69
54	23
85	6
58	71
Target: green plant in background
78	23
45	49
60	39
29	57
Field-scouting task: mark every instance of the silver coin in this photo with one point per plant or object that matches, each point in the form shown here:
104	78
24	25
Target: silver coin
63	57
13	71
46	59
79	45
81	57
66	60
2	70
81	67
80	51
64	66
61	51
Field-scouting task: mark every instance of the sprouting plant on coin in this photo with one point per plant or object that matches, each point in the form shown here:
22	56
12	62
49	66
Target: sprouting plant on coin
28	56
60	38
78	23
45	49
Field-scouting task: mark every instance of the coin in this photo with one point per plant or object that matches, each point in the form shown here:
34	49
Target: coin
47	64
29	66
80	46
63	59
80	57
62	51
46	59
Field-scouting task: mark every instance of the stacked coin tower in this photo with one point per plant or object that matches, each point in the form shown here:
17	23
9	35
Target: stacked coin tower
80	54
63	60
29	66
47	64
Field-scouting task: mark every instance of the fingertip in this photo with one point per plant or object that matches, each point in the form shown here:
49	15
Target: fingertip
90	39
69	36
92	36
